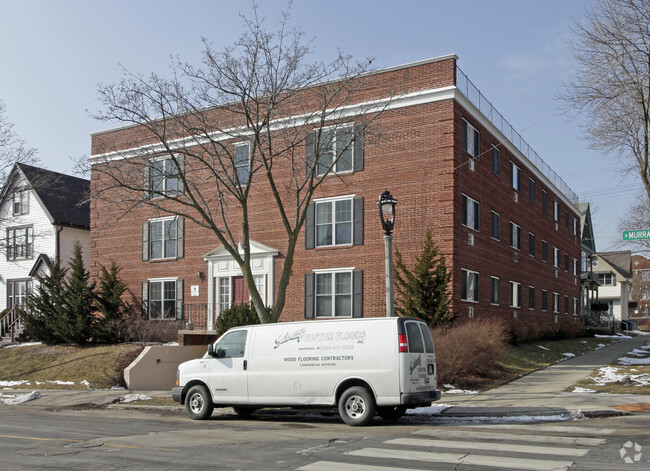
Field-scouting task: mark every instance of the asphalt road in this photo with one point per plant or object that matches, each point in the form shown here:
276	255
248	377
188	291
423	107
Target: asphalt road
111	439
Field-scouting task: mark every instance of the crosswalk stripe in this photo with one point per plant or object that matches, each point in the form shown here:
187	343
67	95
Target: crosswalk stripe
471	445
578	430
462	458
464	434
330	465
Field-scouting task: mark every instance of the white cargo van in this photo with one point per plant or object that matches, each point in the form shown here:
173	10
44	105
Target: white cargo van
362	366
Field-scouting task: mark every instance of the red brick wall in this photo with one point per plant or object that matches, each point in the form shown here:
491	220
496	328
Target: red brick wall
415	152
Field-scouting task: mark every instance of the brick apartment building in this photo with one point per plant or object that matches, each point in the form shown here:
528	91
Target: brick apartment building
506	223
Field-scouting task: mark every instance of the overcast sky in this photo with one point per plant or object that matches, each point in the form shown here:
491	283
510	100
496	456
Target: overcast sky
53	55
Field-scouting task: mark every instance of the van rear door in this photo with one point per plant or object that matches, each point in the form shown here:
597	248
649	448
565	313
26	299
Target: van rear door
418	359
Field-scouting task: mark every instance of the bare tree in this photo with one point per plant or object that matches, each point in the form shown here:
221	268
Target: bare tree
12	148
257	118
611	47
636	217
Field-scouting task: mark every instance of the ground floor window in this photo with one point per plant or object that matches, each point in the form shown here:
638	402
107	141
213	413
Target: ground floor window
17	291
334	293
163	299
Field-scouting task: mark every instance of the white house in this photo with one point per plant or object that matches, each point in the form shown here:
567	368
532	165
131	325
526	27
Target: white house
614	271
42	215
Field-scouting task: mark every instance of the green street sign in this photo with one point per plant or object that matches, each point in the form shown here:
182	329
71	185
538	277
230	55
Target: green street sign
636	235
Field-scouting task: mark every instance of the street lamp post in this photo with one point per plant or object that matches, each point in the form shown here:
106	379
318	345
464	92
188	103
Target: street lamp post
386	205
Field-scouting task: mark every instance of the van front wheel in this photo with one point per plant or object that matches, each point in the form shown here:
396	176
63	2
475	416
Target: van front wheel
357	406
198	403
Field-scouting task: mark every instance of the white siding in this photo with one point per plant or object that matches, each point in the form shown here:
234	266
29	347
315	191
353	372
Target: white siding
44	241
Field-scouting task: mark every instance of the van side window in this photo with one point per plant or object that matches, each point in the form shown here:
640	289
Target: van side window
414	338
428	341
232	345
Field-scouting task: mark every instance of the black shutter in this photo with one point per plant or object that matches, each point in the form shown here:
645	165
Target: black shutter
145	241
358	147
357	234
310	279
179	299
477	291
357	293
477	217
146	181
463	284
310	227
180	237
310	150
145	299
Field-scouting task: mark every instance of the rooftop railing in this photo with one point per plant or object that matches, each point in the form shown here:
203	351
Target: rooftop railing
473	94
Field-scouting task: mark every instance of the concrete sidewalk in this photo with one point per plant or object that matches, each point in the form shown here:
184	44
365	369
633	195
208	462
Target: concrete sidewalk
543	392
538	394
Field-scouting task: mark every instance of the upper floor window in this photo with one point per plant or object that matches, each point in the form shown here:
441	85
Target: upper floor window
531	244
471	213
531	190
556	302
575	227
496	160
515	236
242	162
336	144
20	243
21	202
556	257
515	176
607	279
544	200
334	221
556	211
470	139
162	176
469	285
163	238
544	250
496	226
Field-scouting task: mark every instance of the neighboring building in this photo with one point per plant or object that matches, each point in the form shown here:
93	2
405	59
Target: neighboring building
42	215
588	279
641	290
506	223
614	271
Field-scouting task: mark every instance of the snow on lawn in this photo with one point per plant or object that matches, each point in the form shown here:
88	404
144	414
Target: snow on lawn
579	390
26	344
611	374
11	384
633	361
13	399
544	348
451	389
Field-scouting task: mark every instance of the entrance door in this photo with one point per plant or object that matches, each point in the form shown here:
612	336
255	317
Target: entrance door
240	291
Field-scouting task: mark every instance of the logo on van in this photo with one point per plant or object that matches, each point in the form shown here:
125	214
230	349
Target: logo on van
415	363
289	336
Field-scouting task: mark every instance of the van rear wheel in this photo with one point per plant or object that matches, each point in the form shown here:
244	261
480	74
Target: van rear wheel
391	413
198	403
357	406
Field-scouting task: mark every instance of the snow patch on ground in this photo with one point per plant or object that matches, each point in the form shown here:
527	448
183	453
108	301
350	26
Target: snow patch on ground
26	344
451	389
12	384
580	390
135	397
544	348
13	399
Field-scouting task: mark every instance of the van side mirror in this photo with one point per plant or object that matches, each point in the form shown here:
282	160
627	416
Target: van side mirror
210	350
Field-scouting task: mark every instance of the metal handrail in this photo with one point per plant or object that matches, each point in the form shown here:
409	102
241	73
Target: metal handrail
11	323
473	94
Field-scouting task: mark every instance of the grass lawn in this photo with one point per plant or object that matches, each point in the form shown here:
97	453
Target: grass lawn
65	366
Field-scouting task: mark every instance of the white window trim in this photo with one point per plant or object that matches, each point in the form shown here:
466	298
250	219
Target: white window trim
512	233
163	220
333	223
556	309
514	294
470	142
234	160
160	158
333	271
161	280
467	286
471	202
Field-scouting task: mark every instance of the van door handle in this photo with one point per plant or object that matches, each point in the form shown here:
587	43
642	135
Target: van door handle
245	365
